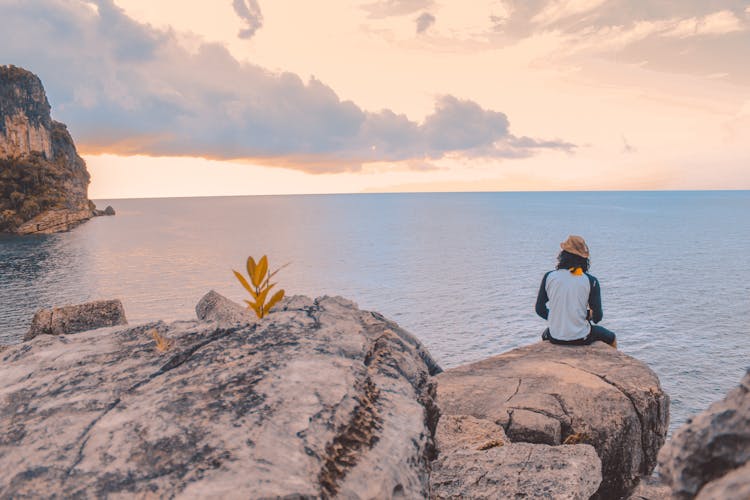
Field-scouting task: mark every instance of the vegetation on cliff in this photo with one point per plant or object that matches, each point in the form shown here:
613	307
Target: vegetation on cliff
29	185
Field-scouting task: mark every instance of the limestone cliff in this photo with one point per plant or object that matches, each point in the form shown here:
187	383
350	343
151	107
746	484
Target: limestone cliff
43	181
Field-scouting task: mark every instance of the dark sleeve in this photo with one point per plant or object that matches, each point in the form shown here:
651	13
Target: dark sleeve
542	299
595	299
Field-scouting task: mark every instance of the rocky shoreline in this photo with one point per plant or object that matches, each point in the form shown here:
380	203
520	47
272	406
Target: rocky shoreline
322	400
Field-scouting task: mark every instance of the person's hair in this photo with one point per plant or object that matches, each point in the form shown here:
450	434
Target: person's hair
567	260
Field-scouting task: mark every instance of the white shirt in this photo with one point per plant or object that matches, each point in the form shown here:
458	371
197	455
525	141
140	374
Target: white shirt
568	304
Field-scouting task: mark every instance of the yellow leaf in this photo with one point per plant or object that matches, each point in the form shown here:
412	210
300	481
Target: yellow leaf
274	300
245	284
250	266
263	294
256	308
260	271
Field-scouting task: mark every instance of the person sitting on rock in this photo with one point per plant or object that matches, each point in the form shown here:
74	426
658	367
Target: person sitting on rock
574	299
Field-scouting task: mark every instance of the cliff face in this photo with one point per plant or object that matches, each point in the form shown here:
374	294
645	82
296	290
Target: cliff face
43	181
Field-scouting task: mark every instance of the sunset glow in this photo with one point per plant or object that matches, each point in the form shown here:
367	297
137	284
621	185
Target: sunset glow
204	98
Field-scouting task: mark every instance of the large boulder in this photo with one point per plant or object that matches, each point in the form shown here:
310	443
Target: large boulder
318	399
709	455
477	460
77	318
553	394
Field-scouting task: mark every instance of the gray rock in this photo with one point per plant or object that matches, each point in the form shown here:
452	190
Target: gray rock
651	488
311	402
107	211
598	396
216	307
477	461
732	486
712	444
78	318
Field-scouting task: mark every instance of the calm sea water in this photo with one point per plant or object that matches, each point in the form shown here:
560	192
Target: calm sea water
461	271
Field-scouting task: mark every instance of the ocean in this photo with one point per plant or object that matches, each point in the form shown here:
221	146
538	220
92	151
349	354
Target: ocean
459	270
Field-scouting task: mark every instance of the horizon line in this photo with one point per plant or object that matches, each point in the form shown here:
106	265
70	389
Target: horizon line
345	193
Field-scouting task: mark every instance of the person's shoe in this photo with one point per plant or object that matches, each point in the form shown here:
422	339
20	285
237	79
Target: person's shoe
614	343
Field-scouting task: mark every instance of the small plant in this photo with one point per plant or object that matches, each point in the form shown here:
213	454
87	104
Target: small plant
577	438
260	285
162	343
492	443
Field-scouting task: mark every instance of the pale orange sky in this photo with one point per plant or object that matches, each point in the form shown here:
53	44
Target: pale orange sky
657	101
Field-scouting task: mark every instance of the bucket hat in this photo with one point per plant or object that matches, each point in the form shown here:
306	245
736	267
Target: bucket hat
576	245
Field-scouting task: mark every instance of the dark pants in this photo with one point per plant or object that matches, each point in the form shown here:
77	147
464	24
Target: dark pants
597	333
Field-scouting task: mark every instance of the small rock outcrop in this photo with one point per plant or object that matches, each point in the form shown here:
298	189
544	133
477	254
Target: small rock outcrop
78	318
319	399
44	184
107	211
216	307
547	394
477	460
710	455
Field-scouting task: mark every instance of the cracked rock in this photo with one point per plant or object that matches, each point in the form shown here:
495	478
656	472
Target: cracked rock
318	399
468	467
594	393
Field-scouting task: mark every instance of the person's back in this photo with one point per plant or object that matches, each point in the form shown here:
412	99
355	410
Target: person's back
569	298
568	295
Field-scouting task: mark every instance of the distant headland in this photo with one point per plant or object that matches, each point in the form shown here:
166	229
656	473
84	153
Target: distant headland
43	180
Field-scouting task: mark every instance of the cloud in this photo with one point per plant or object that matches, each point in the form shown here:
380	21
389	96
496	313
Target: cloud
557	10
129	88
686	37
389	8
627	148
249	12
718	23
424	22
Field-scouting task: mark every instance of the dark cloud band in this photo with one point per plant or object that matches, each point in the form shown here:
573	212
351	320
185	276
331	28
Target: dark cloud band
128	88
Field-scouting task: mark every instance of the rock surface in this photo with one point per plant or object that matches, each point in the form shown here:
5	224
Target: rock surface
44	184
734	485
478	461
710	454
77	318
545	393
319	398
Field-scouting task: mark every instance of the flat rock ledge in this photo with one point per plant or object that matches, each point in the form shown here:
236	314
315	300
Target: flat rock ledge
709	456
319	399
547	395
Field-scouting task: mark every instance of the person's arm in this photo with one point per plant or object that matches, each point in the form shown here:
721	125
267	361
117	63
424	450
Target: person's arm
595	300
542	299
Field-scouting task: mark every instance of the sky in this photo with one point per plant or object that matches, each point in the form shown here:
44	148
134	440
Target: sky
240	97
